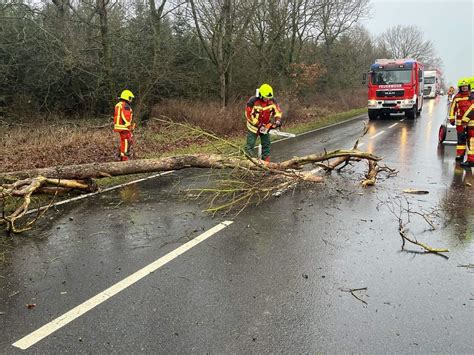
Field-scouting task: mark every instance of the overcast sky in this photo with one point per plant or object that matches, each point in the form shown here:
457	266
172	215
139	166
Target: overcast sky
449	24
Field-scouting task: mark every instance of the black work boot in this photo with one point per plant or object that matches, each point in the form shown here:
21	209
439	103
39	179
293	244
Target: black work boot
467	164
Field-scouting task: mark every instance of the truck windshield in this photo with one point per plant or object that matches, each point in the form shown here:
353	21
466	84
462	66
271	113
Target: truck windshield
429	80
388	77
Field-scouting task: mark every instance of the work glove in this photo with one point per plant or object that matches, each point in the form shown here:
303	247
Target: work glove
263	129
277	124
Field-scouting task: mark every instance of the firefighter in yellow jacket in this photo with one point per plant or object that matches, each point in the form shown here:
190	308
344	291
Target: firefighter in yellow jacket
259	112
456	112
123	123
468	123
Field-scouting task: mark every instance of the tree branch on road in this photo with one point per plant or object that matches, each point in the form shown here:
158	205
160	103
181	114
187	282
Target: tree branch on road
352	290
251	181
399	207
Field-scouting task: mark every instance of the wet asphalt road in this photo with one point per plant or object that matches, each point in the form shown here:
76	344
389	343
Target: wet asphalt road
273	281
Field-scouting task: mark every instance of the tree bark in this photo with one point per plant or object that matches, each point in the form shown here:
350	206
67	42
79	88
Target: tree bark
156	21
212	161
106	46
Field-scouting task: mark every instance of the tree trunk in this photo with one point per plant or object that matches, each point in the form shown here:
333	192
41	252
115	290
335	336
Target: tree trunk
57	179
156	15
106	47
222	81
98	170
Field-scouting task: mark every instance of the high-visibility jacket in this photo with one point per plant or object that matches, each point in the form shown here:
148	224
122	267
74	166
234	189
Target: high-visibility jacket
459	106
468	116
259	112
123	117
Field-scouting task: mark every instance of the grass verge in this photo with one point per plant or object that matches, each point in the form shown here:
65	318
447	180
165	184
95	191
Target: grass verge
327	120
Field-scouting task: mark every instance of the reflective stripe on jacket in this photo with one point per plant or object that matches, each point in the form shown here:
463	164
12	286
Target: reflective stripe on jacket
453	110
123	117
259	112
468	117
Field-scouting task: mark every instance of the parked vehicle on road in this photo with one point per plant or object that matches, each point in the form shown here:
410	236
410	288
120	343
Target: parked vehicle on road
432	86
395	85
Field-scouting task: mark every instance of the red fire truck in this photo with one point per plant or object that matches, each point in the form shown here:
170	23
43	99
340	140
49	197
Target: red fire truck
395	85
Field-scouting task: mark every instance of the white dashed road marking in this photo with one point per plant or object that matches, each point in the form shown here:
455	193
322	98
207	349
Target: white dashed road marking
46	330
393	125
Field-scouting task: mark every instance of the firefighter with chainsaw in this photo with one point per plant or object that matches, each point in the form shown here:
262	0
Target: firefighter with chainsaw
123	123
468	122
260	111
456	112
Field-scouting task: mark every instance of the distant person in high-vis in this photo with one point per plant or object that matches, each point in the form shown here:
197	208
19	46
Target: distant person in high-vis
468	122
451	92
123	123
458	107
259	112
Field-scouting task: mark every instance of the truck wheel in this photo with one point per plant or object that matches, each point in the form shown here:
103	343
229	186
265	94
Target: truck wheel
418	112
441	134
411	113
372	115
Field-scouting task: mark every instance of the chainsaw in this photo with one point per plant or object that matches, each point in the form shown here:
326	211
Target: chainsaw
277	132
271	129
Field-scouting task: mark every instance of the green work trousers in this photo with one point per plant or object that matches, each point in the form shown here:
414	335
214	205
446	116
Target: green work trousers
264	140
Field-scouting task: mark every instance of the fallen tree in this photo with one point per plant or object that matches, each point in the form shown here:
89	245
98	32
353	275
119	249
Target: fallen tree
209	161
252	180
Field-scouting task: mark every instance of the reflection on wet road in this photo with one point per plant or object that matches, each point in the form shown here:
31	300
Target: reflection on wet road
274	280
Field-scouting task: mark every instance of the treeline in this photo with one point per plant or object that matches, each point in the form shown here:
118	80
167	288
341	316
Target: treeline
75	56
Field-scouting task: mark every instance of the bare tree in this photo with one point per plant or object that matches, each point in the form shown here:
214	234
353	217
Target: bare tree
433	62
220	25
102	11
407	42
85	51
335	17
270	27
157	14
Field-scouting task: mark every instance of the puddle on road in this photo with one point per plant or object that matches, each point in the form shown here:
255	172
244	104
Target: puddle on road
458	205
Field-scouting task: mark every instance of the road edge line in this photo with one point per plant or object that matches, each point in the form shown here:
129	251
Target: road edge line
321	128
111	188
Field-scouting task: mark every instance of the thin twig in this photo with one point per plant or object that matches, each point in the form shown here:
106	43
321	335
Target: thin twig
352	290
404	234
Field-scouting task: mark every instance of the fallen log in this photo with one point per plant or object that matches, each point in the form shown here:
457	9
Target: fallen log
80	177
209	161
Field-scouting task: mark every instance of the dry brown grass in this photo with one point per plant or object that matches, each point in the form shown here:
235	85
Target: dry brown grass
28	147
229	122
37	144
208	116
